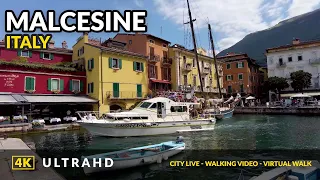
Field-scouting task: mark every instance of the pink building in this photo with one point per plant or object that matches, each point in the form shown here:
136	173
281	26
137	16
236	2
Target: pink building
41	78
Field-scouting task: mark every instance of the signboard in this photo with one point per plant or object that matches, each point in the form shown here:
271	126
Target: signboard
9	80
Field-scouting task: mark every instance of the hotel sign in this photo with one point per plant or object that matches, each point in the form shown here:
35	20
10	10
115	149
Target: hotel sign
9	80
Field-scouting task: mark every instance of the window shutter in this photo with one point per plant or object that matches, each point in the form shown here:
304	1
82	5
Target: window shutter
27	83
41	55
61	84
120	63
89	88
237	65
30	53
231	77
134	66
110	62
32	84
49	84
242	64
19	52
92	87
81	86
70	85
226	78
92	63
89	64
51	56
142	68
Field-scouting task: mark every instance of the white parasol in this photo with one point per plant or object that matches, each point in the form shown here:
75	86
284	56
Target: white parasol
250	98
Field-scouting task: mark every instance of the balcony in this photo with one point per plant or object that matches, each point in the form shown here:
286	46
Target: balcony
153	76
166	61
205	70
314	61
153	58
281	65
187	67
123	95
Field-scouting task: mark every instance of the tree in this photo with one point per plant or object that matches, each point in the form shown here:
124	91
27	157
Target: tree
300	80
276	84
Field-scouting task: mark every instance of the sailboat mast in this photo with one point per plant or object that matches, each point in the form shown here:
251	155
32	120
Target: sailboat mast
194	44
215	60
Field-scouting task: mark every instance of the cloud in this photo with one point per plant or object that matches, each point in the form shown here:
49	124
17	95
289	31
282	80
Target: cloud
139	3
234	19
299	7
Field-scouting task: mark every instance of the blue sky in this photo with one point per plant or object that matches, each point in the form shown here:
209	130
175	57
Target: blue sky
231	20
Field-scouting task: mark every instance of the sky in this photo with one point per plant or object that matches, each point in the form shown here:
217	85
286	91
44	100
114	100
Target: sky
231	20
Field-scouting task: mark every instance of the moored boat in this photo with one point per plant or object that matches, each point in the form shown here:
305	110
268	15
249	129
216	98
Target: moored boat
154	116
292	173
138	156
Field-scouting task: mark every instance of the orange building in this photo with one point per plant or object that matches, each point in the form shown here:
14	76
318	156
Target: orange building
159	64
241	74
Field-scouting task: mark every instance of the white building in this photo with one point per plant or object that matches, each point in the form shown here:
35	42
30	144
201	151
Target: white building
286	59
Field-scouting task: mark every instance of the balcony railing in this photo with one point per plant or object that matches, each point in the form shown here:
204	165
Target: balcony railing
314	61
187	67
152	76
153	58
126	95
166	61
281	64
206	70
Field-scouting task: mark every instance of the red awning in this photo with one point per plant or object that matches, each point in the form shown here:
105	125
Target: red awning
160	81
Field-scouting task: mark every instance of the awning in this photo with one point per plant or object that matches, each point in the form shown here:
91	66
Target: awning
58	99
160	81
306	93
7	99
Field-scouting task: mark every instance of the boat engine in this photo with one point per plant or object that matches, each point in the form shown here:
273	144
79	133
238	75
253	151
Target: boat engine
179	139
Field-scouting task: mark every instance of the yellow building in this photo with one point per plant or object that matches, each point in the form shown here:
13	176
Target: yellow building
116	77
185	72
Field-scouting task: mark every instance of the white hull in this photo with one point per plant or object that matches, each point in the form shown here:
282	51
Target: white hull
141	129
141	161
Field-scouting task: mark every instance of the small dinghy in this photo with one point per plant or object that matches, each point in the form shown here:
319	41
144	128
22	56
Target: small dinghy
137	156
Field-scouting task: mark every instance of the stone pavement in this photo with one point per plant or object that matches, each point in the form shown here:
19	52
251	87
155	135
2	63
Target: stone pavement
12	147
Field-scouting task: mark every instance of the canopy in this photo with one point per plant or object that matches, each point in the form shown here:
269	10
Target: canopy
300	96
250	98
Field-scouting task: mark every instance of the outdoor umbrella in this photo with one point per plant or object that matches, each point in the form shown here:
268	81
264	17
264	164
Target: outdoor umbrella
250	98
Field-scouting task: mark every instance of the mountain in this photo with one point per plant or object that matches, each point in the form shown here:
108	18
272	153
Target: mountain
304	27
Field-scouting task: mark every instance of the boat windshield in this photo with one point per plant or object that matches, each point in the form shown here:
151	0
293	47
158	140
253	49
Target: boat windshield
145	105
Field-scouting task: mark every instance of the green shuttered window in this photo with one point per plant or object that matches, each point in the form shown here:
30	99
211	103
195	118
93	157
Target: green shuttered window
139	90
115	63
90	64
75	85
116	90
29	84
138	66
90	87
55	84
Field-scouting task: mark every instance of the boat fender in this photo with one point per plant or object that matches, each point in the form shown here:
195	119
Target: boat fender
213	120
165	158
148	124
159	160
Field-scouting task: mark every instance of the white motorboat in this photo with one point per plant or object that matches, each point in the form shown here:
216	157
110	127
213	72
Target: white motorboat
137	156
154	116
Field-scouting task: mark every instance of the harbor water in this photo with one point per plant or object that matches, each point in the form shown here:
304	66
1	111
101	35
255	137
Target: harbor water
237	134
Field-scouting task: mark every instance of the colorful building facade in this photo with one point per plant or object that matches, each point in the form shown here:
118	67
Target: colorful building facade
185	72
115	76
48	77
157	51
241	74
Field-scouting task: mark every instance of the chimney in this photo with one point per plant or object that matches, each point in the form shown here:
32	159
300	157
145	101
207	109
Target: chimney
64	45
296	41
51	44
86	37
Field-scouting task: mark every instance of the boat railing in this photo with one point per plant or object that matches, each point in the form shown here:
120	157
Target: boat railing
96	115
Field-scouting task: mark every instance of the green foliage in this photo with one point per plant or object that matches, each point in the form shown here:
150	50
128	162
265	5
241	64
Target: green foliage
300	80
64	67
276	84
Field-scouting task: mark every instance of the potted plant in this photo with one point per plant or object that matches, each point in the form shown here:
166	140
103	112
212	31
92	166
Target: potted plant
30	91
56	91
75	91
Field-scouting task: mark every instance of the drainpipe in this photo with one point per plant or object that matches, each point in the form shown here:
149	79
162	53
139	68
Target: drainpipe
101	74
